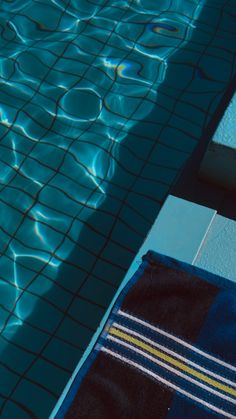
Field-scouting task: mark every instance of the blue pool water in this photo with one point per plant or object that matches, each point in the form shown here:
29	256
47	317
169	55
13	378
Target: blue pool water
101	104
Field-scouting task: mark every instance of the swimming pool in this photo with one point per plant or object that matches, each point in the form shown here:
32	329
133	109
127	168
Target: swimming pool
102	102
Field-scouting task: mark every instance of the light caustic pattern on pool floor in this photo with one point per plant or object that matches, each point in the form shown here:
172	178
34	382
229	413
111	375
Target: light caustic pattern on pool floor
69	87
76	78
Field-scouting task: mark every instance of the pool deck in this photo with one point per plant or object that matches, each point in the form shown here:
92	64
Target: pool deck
219	162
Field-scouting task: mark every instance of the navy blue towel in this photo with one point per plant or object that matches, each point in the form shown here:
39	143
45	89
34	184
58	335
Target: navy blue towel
168	349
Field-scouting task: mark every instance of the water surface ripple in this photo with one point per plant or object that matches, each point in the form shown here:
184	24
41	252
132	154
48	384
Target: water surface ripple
101	103
73	75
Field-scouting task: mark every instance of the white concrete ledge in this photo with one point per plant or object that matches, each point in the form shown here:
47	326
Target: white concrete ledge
219	162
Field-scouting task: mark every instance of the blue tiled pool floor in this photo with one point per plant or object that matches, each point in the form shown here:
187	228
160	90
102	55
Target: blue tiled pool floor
101	104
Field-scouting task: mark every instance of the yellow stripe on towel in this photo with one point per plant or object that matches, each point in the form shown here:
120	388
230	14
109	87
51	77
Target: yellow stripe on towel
172	361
